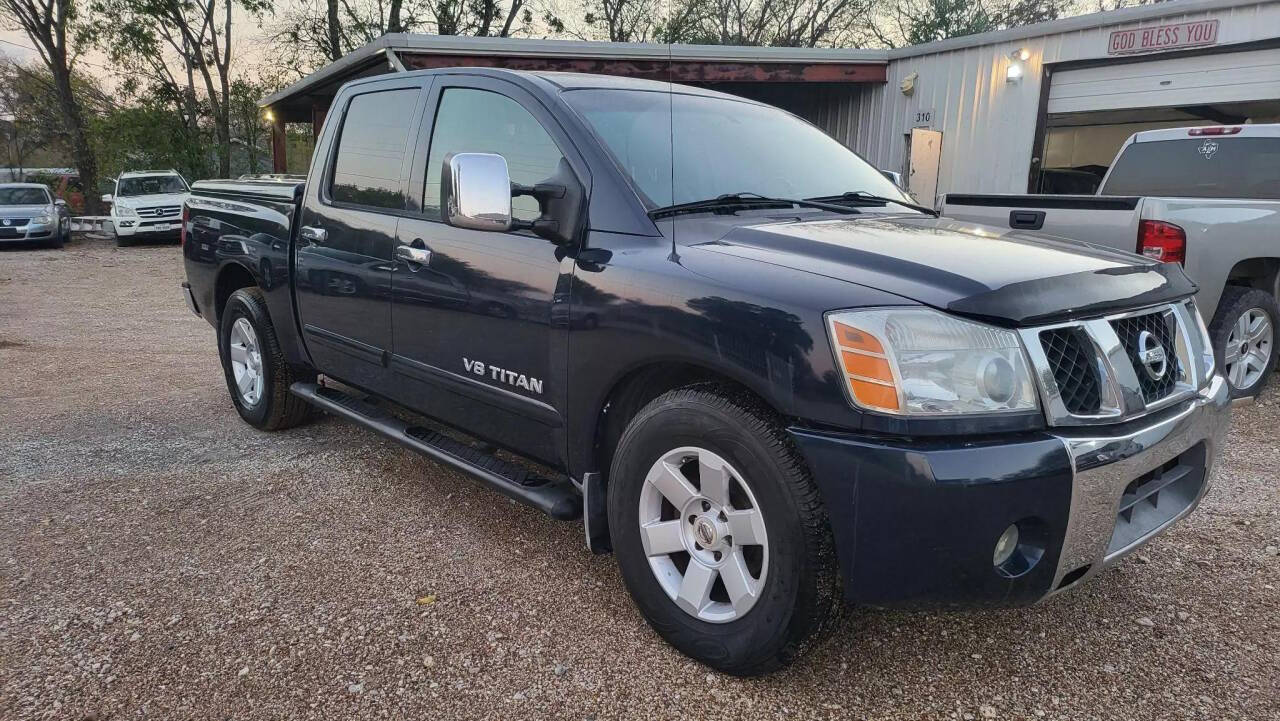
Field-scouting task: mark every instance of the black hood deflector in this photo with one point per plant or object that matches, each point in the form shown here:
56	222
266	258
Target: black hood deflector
1008	278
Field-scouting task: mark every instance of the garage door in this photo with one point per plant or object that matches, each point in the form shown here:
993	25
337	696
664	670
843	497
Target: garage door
1171	82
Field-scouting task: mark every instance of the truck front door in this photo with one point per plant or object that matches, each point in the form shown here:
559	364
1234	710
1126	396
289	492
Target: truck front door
347	232
471	311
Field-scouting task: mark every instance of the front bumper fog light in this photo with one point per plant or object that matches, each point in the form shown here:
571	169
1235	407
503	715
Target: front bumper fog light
1020	548
1007	544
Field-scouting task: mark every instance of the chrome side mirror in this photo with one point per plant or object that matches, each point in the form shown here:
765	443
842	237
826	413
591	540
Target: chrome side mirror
106	198
475	191
59	201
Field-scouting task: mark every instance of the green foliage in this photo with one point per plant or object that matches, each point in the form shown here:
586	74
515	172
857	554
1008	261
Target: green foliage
149	136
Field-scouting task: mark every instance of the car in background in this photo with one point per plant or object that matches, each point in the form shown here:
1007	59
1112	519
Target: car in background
147	204
1206	198
30	213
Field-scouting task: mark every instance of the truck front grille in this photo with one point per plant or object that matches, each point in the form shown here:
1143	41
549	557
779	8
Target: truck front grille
1161	329
1075	369
1116	367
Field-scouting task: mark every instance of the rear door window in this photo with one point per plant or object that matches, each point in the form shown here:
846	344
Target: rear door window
371	149
1199	167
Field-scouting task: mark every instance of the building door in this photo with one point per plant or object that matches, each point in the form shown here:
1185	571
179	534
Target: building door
922	168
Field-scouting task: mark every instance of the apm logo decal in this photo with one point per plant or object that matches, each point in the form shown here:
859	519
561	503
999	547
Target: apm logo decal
1208	148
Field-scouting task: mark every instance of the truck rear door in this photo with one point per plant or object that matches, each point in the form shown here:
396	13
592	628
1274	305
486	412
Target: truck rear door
1106	221
347	230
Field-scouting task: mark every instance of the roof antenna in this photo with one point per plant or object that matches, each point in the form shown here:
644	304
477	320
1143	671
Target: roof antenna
674	256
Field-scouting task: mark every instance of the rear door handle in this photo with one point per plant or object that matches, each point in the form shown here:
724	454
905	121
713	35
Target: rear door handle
312	234
414	253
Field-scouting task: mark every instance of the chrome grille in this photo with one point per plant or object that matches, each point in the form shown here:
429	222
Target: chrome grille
164	211
1104	370
1075	369
1162	330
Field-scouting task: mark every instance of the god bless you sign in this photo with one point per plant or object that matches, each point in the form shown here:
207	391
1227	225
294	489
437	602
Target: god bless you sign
1163	37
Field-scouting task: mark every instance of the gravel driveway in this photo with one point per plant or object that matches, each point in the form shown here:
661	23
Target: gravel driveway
162	559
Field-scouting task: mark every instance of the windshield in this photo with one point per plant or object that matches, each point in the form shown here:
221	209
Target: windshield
24	196
151	185
1198	167
720	146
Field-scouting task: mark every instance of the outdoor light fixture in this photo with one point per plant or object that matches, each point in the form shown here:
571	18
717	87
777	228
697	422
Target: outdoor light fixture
1013	73
269	116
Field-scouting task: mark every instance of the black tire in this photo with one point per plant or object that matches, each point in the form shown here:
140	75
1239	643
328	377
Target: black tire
55	241
801	595
121	240
1235	302
276	409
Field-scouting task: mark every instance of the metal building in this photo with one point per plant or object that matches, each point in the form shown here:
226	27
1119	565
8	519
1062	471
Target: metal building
1038	108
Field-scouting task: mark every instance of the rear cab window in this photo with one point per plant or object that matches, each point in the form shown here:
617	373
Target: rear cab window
1199	167
372	146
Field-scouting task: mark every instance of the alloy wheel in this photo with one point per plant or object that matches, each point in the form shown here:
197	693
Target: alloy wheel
1249	348
704	534
246	361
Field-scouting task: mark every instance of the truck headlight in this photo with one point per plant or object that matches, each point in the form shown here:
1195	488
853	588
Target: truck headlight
42	219
920	362
125	211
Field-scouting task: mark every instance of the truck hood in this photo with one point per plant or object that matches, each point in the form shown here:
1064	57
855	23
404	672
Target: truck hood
1005	277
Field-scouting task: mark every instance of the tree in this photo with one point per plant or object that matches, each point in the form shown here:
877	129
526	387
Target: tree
51	26
248	129
25	106
198	34
312	35
912	22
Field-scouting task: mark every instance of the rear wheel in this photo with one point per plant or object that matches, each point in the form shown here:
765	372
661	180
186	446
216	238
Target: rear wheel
1243	333
258	376
719	532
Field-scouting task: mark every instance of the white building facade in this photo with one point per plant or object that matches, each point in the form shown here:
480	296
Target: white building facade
1006	109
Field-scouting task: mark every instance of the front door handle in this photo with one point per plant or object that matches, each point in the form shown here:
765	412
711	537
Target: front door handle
312	234
417	254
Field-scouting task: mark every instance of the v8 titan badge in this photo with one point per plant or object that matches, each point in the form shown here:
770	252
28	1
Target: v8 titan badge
1208	148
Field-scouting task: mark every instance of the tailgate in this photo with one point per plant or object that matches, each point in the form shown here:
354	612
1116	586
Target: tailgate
1102	220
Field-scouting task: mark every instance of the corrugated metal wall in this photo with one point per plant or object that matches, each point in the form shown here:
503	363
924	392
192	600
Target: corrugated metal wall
988	124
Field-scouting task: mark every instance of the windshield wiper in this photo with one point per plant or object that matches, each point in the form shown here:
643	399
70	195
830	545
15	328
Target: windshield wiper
731	202
870	198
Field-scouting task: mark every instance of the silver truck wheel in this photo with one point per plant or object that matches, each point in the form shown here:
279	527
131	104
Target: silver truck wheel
718	534
1243	333
246	361
1249	348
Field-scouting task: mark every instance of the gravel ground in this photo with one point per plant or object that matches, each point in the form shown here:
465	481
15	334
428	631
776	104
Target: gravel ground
162	559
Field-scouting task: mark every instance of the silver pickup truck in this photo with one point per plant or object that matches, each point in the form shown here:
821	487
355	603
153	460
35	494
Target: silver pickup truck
1205	197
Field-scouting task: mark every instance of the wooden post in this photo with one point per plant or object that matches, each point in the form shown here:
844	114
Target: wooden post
279	155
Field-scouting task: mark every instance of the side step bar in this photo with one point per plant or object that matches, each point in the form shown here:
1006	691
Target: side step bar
556	498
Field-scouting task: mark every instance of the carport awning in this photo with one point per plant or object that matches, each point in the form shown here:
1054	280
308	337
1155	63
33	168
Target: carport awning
679	63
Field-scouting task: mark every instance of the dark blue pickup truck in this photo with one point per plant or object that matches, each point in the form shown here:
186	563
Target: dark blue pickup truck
760	376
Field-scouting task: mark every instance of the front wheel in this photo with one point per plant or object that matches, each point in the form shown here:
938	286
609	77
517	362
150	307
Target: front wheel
258	376
1243	333
720	534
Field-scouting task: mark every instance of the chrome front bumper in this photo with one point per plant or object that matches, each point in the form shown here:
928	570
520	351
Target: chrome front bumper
1105	465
